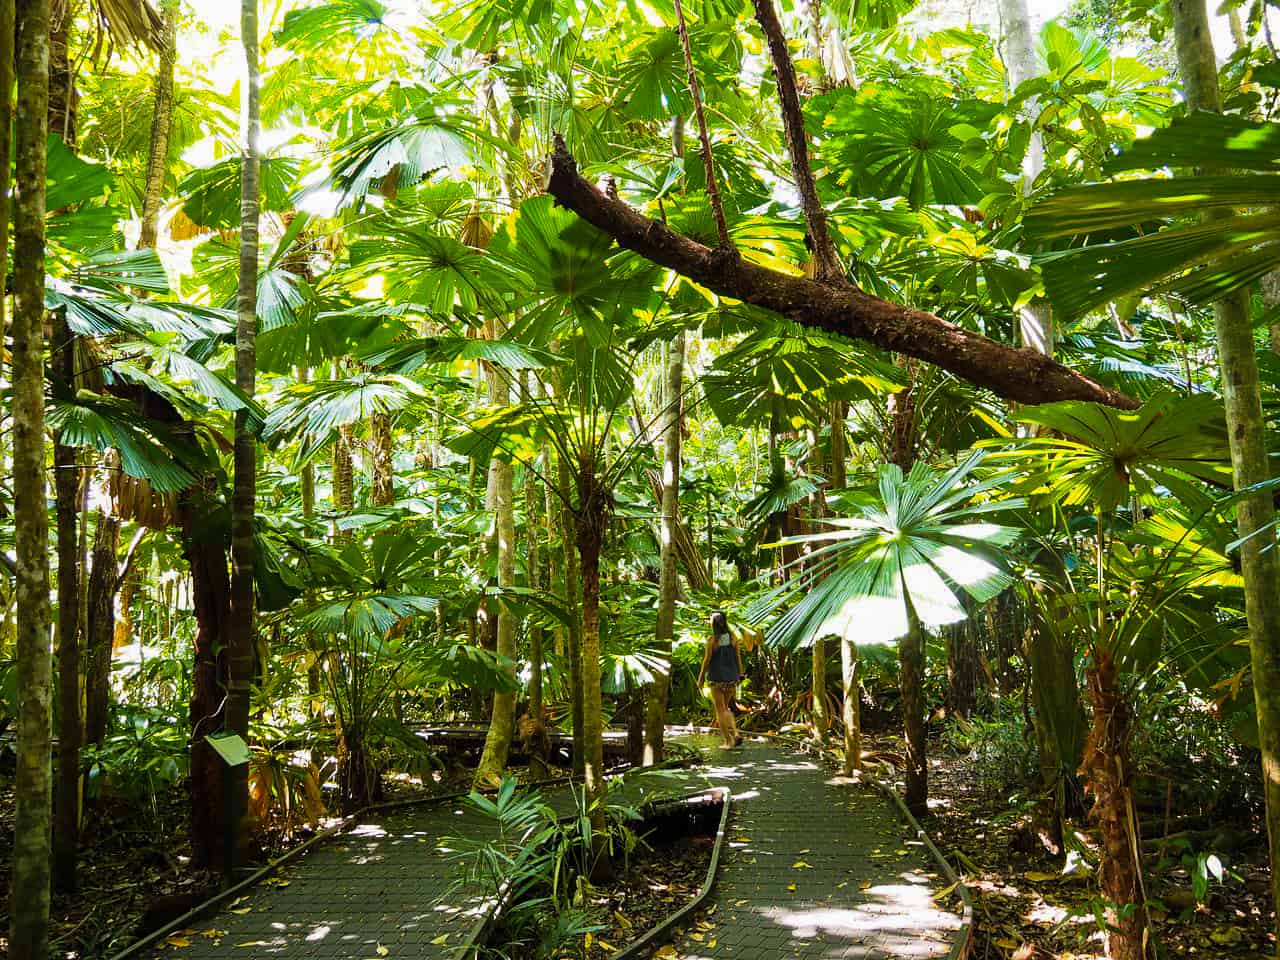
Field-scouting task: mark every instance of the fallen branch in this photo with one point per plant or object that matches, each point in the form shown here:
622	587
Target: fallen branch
1020	375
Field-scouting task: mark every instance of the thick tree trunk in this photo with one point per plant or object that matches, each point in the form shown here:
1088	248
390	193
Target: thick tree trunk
1106	763
501	503
818	690
29	886
668	584
1022	375
344	497
103	580
1260	562
161	126
964	669
206	554
66	485
240	639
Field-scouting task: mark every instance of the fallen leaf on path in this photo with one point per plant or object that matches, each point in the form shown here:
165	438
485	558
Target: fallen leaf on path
176	941
381	951
945	892
1035	876
801	865
791	888
441	940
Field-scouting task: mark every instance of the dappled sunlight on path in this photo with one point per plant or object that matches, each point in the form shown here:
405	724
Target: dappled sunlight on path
814	866
817	866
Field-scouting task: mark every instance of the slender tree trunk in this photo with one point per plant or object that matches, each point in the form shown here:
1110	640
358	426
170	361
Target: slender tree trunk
6	172
1106	761
851	709
1260	562
66	484
29	885
1060	724
161	126
497	742
911	658
668	584
592	517
574	591
911	661
1035	319
240	641
537	738
344	498
63	105
103	580
382	476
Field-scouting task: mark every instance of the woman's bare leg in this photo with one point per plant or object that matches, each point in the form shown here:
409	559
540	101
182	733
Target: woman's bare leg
724	717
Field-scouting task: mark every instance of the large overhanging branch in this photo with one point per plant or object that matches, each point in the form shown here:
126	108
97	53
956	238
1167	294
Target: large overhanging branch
1020	375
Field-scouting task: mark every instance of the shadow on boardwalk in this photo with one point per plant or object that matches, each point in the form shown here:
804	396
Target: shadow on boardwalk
814	869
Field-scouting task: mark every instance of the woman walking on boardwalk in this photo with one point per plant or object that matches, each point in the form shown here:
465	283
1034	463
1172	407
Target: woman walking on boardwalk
722	666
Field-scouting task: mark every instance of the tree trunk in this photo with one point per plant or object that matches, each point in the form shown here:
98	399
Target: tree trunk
911	659
1106	763
537	734
911	663
592	517
161	126
29	885
1059	716
851	709
818	690
382	477
206	554
1259	561
240	640
1035	319
668	583
6	172
964	668
574	590
501	502
66	485
103	580
344	498
1021	375
63	101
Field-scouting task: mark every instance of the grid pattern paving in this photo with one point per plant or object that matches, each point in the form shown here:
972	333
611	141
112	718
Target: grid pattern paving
813	868
816	868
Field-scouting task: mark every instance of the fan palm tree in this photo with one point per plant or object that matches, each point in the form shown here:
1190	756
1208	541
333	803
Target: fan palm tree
899	565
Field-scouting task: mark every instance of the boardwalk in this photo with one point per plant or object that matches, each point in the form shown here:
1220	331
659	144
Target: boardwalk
816	870
813	870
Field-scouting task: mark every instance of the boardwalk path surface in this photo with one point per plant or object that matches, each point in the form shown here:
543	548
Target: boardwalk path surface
813	869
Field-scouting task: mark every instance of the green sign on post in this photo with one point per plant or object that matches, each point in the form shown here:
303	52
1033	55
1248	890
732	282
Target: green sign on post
233	752
230	747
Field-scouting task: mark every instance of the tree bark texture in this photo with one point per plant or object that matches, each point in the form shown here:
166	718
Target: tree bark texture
161	127
593	513
382	491
1107	765
6	170
29	886
344	499
501	503
1021	375
574	593
104	580
911	662
827	266
240	640
1246	429
66	485
851	708
964	668
206	552
668	582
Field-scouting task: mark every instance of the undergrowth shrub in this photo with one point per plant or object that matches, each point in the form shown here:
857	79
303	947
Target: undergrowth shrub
1002	757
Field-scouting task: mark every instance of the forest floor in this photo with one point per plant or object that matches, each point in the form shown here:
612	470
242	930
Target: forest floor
1026	909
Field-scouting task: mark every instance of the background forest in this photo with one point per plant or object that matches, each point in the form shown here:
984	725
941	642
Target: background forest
371	366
